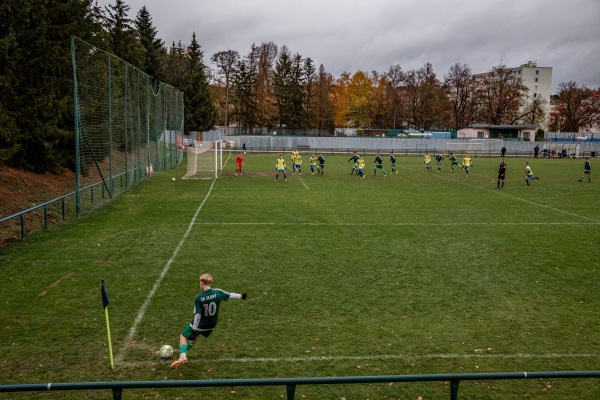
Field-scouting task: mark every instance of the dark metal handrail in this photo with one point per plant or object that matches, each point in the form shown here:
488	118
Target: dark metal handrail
292	383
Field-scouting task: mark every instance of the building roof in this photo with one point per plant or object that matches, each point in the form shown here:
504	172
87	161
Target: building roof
500	127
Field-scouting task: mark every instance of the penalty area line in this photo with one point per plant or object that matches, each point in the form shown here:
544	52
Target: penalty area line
302	180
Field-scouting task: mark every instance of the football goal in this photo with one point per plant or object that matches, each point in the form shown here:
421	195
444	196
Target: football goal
204	160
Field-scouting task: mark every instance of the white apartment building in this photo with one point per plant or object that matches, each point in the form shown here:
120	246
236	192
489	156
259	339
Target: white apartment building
539	82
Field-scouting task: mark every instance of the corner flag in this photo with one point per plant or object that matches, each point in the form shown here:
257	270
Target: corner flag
105	303
105	299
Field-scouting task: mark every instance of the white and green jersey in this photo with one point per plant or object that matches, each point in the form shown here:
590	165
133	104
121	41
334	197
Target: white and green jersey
206	309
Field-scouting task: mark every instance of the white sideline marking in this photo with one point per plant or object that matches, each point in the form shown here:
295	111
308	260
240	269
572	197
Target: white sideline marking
374	357
397	223
142	311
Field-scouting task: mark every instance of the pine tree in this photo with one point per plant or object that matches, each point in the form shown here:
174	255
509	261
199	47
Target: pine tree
309	72
36	111
244	94
123	39
200	112
282	87
154	48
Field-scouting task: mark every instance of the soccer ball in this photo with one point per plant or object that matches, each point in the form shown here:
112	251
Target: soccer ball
166	351
173	179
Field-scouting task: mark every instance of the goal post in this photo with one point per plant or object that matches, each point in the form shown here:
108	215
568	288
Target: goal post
204	160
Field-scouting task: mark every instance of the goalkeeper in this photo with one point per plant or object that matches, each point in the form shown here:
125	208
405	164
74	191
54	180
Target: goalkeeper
206	314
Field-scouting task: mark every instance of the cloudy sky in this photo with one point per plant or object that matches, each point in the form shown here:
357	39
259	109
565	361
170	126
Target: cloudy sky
352	35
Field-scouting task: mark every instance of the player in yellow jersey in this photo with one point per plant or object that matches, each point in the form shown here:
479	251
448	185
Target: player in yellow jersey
298	164
313	164
427	161
280	167
360	166
295	154
529	174
467	164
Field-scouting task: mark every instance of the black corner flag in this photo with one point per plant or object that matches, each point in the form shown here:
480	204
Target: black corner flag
105	303
105	299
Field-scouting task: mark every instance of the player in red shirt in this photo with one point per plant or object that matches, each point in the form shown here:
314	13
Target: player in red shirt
239	161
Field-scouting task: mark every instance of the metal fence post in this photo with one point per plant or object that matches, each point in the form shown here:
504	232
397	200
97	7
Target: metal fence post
454	389
291	391
117	393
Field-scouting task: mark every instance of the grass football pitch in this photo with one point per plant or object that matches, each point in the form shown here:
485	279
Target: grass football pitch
414	273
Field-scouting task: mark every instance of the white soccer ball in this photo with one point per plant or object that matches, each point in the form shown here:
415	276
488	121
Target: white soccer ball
166	351
173	179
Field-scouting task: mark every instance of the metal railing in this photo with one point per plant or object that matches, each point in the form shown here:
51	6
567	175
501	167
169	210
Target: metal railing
64	206
292	383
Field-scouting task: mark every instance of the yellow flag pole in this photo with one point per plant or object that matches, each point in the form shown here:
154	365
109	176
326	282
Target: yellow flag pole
105	303
112	362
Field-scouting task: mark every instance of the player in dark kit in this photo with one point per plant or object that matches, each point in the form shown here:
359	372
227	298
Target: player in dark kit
587	170
321	164
439	158
501	173
454	162
354	160
393	163
206	315
378	165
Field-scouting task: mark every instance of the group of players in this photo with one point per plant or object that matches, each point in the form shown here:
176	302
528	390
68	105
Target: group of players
317	164
359	163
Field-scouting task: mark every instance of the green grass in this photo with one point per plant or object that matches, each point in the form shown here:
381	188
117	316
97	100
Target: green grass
415	273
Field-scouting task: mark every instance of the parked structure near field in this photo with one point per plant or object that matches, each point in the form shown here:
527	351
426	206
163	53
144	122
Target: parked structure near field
488	131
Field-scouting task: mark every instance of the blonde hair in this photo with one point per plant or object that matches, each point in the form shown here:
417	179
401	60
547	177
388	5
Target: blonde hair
206	279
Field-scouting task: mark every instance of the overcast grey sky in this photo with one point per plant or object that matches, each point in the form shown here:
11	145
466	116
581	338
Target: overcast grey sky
352	35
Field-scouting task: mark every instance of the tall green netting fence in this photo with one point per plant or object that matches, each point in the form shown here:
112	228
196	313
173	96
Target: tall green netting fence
128	126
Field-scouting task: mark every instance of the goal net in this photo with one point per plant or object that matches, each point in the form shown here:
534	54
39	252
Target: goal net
204	160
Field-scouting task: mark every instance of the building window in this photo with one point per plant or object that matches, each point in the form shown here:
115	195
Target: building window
534	95
537	71
526	135
480	135
536	79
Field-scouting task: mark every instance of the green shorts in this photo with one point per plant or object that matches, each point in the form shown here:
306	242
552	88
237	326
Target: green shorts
191	334
380	166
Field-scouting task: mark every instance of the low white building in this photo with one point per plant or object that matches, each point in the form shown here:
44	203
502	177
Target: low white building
488	131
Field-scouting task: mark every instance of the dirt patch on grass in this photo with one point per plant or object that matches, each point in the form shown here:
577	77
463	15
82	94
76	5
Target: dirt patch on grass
21	190
62	278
